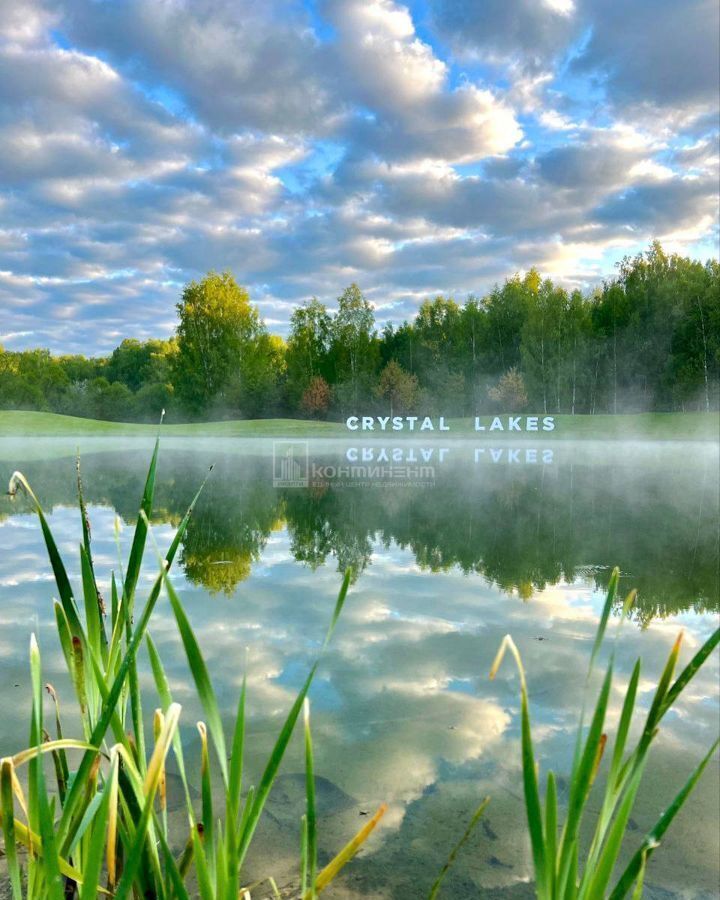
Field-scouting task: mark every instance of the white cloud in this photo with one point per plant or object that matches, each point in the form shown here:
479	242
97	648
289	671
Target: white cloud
142	144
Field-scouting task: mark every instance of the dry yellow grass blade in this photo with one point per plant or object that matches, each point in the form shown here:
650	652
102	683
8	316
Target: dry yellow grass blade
332	869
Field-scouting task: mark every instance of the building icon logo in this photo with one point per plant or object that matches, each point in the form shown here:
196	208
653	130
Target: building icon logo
290	464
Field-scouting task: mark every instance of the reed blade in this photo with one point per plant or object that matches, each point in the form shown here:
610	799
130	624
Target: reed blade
477	815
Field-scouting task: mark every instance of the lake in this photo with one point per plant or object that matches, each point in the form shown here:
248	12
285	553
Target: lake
452	546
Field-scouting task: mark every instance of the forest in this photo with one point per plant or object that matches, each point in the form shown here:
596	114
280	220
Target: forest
647	339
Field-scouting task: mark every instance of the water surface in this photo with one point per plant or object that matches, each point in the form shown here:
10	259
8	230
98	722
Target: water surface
451	546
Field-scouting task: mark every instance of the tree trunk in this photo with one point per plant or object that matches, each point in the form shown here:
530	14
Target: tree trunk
542	367
614	369
705	360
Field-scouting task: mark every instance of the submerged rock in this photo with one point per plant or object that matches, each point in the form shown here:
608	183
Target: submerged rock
287	800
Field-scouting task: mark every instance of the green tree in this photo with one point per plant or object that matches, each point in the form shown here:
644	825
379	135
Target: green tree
509	393
150	400
138	363
31	379
217	328
399	344
398	387
354	345
437	326
82	368
506	310
695	349
254	389
472	339
577	361
541	347
308	348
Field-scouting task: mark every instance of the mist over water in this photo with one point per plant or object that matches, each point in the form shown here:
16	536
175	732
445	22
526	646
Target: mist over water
450	551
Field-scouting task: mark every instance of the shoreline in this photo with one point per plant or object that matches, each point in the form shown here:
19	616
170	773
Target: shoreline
635	426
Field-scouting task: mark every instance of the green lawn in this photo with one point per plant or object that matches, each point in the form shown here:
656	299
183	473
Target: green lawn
647	426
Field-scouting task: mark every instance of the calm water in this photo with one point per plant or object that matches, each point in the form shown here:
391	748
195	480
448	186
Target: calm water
450	551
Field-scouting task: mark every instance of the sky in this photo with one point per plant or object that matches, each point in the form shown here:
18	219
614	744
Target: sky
435	147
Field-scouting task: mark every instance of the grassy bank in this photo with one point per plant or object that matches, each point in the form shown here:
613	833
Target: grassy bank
643	426
14	423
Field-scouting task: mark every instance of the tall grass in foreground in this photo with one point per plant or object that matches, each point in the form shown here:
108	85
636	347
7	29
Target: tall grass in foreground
565	870
104	829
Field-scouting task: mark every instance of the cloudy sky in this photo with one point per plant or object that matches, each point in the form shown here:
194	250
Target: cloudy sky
431	147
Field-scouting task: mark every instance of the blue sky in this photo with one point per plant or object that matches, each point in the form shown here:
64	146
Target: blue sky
417	149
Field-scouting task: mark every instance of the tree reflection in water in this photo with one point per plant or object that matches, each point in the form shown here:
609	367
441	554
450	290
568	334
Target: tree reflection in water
522	527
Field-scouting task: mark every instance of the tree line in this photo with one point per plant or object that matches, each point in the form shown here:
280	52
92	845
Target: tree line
647	339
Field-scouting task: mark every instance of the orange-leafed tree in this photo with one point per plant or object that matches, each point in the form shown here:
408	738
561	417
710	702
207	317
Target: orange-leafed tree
316	397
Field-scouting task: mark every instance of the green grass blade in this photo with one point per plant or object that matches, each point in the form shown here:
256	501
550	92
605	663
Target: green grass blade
583	778
532	797
109	707
85	520
132	573
232	865
654	837
137	548
118	630
220	863
550	834
311	810
570	890
252	813
234	792
182	527
114	600
172	871
132	803
604	617
339	603
477	815
50	861
304	859
69	625
93	616
208	816
201	677
7	811
152	781
533	807
624	725
137	551
617	775
237	755
163	689
108	710
61	577
597	875
136	712
61	764
201	867
689	672
250	820
597	644
638	892
64	635
93	624
96	849
659	700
